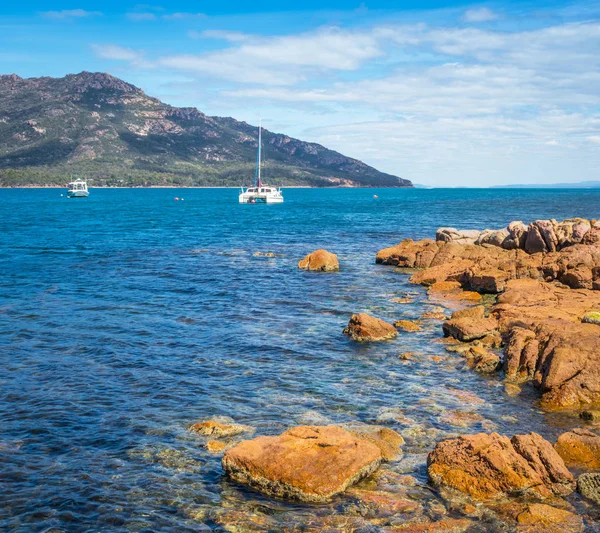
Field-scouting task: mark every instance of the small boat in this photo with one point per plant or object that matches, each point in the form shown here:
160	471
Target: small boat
260	193
77	189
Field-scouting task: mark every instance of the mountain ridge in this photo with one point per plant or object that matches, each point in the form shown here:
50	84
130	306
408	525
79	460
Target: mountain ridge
97	126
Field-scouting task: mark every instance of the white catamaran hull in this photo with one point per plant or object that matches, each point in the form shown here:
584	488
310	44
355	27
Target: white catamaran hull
252	198
77	194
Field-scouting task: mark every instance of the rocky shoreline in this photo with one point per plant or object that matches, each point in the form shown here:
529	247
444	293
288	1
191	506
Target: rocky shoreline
541	324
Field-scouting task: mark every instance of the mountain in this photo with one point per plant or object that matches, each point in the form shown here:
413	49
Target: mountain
96	126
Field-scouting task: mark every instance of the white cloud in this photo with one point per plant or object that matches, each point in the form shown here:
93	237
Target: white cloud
140	17
479	14
70	14
284	60
111	51
183	16
426	103
231	36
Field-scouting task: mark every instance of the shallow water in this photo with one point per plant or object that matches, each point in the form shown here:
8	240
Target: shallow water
127	316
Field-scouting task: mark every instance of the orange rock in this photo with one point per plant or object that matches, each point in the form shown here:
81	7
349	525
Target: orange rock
541	518
446	525
308	463
321	260
469	329
459	418
215	446
402	300
363	327
214	428
407	325
385	503
488	467
579	447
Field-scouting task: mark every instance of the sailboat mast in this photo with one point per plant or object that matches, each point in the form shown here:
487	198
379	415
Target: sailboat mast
259	150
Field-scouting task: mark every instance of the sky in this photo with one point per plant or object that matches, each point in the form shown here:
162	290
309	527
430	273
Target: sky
442	94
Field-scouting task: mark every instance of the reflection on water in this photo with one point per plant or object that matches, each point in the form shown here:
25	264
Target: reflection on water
127	316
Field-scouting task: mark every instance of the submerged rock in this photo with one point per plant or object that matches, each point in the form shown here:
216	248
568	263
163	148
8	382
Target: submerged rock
445	525
218	429
407	325
320	260
307	463
542	518
588	486
363	327
579	447
488	467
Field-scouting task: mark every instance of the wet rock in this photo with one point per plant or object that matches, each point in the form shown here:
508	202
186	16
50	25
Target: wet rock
407	356
363	327
592	415
437	313
217	429
407	325
591	318
482	360
404	300
588	485
579	447
446	525
469	329
216	446
488	467
383	503
542	518
387	440
307	463
459	418
320	260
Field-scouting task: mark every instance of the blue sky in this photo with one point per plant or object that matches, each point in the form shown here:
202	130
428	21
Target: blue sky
442	94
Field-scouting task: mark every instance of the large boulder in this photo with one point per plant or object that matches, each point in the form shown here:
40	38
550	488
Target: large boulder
307	463
363	327
320	260
579	447
489	467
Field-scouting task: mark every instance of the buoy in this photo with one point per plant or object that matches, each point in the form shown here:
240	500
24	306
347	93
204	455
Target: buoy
176	199
375	196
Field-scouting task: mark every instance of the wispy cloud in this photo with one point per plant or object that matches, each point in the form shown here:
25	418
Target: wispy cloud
135	58
140	17
184	16
480	14
231	36
70	14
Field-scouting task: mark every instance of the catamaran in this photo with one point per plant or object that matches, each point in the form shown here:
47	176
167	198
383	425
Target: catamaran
77	189
260	193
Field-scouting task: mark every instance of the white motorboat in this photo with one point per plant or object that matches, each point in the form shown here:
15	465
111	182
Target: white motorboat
78	189
260	193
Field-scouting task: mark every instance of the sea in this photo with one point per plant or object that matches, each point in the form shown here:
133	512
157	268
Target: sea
127	316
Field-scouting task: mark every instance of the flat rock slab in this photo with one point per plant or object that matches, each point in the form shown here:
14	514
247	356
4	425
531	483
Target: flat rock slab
468	329
307	463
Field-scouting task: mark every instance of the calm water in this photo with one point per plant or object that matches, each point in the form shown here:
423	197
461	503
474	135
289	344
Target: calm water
127	316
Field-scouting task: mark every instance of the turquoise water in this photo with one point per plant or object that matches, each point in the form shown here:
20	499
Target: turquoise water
127	316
